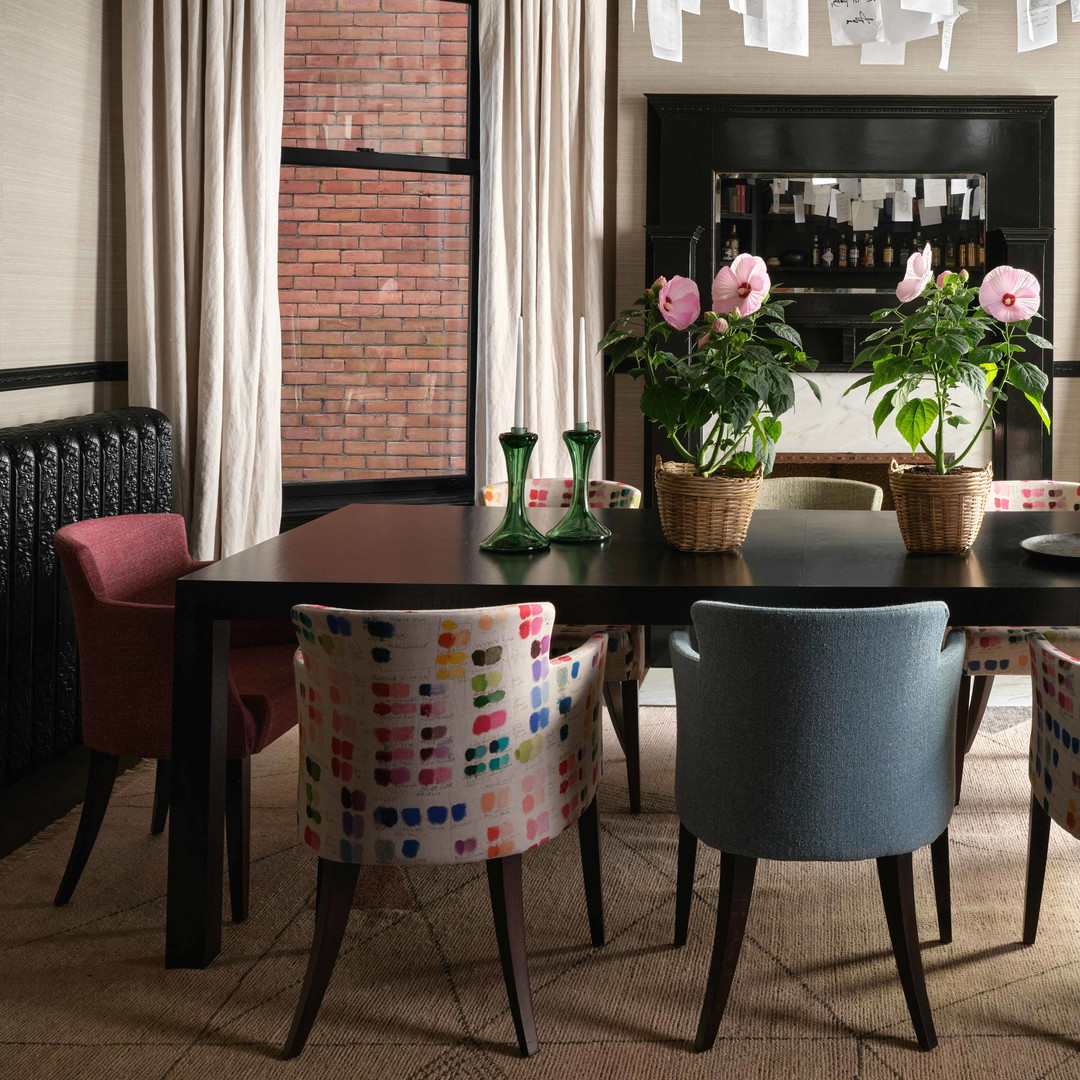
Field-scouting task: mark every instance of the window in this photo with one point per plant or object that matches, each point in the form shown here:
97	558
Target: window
377	251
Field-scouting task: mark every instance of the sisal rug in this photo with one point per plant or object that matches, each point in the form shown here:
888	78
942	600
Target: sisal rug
417	994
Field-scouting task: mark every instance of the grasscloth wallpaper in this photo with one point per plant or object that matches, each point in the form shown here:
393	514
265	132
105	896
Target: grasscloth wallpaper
984	61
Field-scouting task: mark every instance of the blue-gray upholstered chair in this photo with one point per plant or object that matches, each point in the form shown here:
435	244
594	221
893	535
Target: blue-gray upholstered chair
808	735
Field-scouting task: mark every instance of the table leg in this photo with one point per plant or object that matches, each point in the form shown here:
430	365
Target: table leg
197	812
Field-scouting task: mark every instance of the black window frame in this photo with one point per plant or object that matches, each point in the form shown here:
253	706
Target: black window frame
306	499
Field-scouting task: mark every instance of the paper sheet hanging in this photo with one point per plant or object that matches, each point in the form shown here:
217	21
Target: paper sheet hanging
788	26
941	8
864	216
929	214
947	29
691	7
800	213
882	52
843	208
1036	24
755	33
871	188
902	25
901	206
665	29
934	193
854	22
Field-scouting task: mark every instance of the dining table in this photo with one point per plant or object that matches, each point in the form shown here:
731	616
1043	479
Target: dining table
401	556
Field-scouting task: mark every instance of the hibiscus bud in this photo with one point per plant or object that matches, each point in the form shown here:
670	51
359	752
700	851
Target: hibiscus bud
964	275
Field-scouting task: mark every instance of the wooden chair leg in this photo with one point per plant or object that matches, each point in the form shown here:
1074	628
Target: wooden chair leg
336	887
162	794
623	707
981	685
1038	843
684	883
898	896
99	785
736	886
504	885
588	827
238	833
963	699
939	861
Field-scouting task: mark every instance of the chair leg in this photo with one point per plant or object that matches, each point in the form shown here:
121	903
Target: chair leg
684	883
99	785
898	896
623	707
336	887
238	833
588	828
939	861
736	885
981	685
162	794
1038	842
504	885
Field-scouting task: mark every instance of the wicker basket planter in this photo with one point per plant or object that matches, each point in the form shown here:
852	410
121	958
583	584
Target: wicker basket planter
939	513
705	513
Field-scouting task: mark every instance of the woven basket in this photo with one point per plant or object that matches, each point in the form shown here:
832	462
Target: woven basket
705	513
939	513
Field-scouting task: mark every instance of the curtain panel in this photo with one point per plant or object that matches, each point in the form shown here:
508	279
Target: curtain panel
542	70
203	84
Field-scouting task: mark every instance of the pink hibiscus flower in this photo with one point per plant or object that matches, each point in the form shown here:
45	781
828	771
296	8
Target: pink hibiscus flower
918	274
742	286
679	302
1009	294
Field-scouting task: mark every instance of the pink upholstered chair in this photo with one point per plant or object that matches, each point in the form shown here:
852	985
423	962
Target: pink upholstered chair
1004	650
443	737
626	663
121	572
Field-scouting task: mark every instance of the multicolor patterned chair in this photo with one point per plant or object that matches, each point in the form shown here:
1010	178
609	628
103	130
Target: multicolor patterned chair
1054	759
1003	650
626	663
443	737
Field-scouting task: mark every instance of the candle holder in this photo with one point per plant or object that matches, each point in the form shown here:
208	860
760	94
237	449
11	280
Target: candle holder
579	525
515	533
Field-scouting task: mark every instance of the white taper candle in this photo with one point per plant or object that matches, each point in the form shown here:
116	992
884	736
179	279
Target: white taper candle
519	388
580	408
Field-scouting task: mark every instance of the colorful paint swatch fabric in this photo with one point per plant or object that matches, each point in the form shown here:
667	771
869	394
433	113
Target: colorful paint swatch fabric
1054	761
442	736
556	491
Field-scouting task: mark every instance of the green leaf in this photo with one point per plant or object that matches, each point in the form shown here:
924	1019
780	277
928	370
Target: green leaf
872	353
915	419
956	421
856	384
789	333
813	386
1028	378
781	396
744	460
699	408
1038	406
663	403
973	377
1038	342
881	413
884	332
891	369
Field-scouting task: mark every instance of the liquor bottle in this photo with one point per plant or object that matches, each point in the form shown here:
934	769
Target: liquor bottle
853	252
935	253
918	241
868	251
887	251
981	251
827	255
731	248
841	252
905	252
969	257
950	253
815	254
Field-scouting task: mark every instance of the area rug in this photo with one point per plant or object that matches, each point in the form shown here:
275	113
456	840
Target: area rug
417	993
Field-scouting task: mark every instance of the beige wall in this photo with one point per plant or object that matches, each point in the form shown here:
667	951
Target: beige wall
984	61
61	199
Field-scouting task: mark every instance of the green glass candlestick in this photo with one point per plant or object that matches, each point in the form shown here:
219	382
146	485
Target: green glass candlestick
579	525
515	532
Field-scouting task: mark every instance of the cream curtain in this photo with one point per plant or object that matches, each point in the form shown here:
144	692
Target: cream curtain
542	67
203	85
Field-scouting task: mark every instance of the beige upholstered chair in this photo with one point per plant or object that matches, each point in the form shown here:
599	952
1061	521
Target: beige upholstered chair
817	493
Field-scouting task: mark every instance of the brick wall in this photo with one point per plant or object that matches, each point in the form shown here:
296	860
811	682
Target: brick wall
374	265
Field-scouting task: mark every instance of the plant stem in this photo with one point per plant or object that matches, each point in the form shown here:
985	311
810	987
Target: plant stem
995	397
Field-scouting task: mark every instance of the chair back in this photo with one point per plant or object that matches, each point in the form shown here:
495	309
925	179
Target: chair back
556	491
816	734
817	493
1033	495
1054	760
121	573
442	736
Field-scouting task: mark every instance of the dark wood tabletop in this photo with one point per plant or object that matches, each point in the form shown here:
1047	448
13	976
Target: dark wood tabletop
398	556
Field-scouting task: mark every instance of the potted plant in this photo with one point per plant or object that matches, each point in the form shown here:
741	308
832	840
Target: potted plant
958	336
717	394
